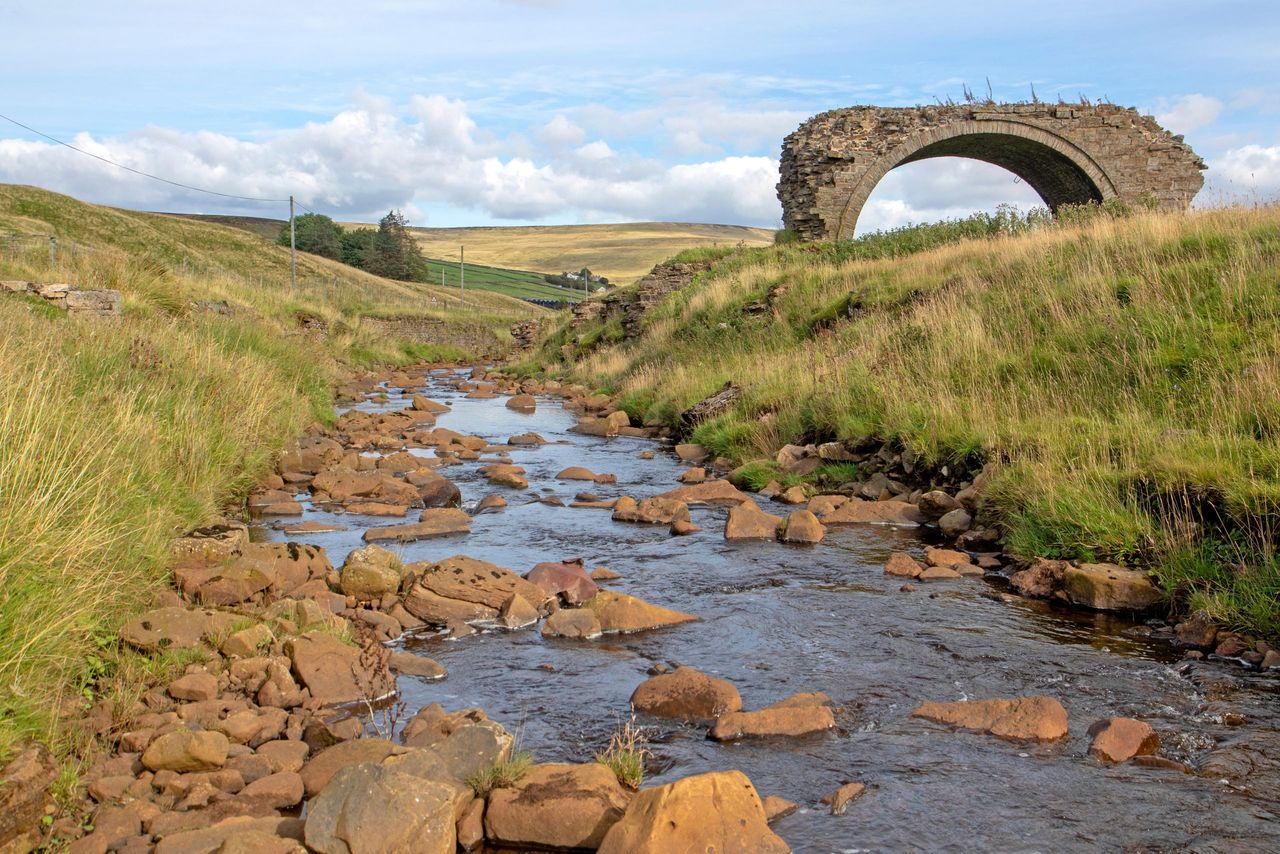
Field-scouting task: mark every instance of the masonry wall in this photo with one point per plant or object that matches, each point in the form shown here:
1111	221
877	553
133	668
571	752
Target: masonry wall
831	163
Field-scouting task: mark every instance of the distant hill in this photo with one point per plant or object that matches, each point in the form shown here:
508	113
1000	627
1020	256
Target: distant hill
521	284
622	252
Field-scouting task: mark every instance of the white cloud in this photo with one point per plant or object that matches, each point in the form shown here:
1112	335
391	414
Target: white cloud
372	157
1250	173
1187	113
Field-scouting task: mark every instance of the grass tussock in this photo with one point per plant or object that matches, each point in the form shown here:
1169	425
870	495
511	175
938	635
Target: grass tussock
501	775
1122	371
626	754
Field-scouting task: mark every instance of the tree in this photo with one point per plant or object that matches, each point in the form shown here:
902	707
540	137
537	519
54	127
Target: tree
392	251
314	233
355	246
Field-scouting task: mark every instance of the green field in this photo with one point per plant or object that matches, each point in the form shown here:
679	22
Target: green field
520	284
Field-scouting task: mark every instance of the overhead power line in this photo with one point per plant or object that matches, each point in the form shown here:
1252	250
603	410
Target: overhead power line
139	171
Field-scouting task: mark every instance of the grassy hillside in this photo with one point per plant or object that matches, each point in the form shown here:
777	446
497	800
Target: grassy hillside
520	284
117	437
232	264
623	252
1123	374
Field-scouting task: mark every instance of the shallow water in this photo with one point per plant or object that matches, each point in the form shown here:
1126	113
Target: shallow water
779	619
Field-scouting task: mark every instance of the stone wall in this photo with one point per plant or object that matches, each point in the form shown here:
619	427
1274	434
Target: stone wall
1068	153
631	305
77	302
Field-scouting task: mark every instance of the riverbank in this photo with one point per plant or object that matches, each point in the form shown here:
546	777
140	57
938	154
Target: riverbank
803	663
1118	373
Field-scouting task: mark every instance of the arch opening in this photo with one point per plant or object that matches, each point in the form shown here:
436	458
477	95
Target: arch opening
1055	177
943	188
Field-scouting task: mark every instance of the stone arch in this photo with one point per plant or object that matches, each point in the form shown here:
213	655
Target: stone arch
1068	155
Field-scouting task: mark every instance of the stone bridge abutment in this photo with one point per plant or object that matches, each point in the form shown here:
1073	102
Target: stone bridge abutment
1067	153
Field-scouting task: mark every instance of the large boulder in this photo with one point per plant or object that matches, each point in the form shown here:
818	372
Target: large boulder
618	612
321	768
556	806
800	714
183	750
748	522
1121	739
370	572
373	809
718	812
310	454
686	694
236	582
855	511
566	579
334	672
469	749
1107	587
802	528
478	582
1015	719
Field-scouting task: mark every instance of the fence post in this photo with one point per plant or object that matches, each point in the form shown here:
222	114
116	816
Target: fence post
53	250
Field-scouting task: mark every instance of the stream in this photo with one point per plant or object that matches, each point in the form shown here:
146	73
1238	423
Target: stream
778	619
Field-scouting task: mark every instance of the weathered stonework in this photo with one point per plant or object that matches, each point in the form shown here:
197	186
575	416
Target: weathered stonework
1068	153
77	302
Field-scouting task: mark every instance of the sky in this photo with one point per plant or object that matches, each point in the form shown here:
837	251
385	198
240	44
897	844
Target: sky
503	112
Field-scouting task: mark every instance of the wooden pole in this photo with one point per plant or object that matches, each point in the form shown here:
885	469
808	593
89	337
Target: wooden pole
293	250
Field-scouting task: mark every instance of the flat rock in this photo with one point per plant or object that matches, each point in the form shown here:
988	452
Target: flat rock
479	582
801	714
855	511
686	694
710	492
843	796
333	672
618	612
1015	719
434	522
319	770
408	664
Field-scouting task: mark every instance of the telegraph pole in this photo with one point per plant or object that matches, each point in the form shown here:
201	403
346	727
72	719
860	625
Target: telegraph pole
293	250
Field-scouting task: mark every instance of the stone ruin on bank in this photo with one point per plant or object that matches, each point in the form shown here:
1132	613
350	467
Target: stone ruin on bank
1068	153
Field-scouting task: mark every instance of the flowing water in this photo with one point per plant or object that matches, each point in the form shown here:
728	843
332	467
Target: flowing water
778	619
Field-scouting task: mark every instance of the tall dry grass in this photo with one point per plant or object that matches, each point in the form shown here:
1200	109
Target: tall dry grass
113	440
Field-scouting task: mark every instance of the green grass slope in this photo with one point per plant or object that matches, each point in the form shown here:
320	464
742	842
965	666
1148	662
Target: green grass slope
520	284
115	437
1122	374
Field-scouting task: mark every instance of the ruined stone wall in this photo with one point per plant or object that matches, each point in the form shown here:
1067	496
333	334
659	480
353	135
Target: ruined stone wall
1068	153
77	302
630	305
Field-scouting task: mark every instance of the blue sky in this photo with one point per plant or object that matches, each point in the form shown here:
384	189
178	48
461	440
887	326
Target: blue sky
553	111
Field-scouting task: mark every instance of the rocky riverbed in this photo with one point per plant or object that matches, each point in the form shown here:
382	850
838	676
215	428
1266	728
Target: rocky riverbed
773	679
